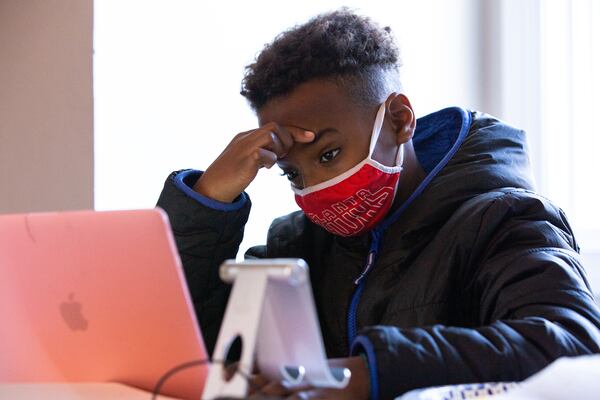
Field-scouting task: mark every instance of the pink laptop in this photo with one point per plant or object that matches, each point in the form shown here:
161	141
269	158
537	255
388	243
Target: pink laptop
96	297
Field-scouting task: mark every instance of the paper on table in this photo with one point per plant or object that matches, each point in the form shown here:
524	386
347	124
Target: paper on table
575	378
463	391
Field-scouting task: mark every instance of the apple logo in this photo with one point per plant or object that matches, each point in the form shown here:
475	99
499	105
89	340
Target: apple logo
71	313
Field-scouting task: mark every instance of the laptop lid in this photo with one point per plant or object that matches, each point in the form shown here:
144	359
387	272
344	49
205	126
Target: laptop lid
97	297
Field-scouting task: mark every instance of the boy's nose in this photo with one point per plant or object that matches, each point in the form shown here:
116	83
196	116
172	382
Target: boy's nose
308	180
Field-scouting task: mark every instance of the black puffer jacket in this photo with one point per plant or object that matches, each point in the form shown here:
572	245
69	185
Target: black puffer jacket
477	278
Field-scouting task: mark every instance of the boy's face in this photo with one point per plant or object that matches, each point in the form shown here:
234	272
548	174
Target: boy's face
342	127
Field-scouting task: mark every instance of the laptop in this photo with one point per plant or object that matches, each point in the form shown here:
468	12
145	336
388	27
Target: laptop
97	297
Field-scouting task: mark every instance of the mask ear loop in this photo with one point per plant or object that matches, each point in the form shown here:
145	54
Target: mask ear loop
377	128
400	156
375	136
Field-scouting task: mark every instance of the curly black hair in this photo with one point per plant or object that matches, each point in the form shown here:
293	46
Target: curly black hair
347	48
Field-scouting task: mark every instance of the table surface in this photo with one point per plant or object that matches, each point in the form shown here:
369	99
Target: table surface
73	391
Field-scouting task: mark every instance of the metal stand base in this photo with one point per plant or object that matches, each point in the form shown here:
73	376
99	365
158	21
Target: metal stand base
272	310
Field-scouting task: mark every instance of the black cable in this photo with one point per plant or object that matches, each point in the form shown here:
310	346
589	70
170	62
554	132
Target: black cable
195	363
173	371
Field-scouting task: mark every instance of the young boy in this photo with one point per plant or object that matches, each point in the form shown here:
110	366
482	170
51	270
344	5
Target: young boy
432	259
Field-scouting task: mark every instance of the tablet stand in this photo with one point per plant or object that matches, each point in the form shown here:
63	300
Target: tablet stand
272	310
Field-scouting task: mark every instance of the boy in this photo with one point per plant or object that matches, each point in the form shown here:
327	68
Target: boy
431	258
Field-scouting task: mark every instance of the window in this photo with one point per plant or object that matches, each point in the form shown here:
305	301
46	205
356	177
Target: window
544	66
167	78
570	103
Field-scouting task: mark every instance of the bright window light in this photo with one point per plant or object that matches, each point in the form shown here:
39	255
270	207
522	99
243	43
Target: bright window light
167	79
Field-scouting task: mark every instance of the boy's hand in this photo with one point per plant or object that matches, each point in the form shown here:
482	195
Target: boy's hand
358	388
231	173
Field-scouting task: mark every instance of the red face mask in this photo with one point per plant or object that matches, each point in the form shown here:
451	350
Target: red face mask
355	201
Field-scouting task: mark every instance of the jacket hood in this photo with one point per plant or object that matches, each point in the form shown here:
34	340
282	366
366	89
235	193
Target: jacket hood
473	153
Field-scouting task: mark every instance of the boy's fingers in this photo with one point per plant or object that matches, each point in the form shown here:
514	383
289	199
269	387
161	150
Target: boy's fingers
275	389
290	134
256	383
268	139
302	136
242	134
265	158
283	134
278	139
278	145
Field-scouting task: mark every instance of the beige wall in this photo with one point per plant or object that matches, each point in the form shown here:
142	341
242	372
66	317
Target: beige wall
46	105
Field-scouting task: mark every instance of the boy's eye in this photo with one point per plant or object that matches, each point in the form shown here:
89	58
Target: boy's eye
329	155
290	175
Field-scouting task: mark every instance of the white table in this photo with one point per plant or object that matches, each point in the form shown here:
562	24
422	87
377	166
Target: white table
73	391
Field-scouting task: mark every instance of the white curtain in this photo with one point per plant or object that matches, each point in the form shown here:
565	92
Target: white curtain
542	65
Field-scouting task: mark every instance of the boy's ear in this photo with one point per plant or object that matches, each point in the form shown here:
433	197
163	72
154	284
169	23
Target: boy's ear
402	117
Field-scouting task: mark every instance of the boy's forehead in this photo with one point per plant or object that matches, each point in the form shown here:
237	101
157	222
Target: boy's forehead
309	106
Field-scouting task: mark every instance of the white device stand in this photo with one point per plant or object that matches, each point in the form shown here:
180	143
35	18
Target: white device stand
272	310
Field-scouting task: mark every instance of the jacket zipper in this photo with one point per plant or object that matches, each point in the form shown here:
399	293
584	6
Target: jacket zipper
359	282
377	232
